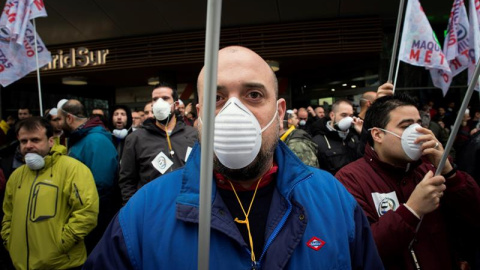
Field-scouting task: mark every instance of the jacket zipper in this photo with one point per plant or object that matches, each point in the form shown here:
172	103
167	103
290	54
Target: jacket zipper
26	220
77	194
282	222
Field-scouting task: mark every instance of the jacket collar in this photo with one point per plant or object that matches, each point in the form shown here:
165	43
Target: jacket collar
387	170
92	125
149	124
290	171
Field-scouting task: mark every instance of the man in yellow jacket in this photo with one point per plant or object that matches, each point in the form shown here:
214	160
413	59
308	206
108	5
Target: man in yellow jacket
50	205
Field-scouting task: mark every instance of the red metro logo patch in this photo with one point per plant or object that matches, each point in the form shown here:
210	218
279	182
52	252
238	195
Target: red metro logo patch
315	243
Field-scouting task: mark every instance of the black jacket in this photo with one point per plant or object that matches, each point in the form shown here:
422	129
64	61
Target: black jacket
334	152
468	159
141	148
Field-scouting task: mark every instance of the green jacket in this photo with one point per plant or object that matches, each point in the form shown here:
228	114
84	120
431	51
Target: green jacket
48	213
300	142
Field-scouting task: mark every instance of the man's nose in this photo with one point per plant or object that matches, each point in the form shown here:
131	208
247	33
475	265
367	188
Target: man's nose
29	145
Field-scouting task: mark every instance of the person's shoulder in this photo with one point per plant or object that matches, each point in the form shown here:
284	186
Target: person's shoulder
98	137
18	172
357	167
160	192
188	130
69	163
300	134
325	187
139	133
320	179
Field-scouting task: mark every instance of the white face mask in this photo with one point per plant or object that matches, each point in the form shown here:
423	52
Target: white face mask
411	149
161	109
120	133
238	136
345	123
34	161
302	122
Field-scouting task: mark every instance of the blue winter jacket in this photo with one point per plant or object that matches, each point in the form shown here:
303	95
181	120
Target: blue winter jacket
93	147
313	223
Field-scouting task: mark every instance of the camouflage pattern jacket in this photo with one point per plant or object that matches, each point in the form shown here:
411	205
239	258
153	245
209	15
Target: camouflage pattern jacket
300	142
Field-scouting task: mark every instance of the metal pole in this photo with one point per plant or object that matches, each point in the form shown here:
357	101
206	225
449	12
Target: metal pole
396	76
214	12
1	105
395	40
458	121
38	69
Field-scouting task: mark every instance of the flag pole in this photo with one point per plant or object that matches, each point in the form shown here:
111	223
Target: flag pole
212	39
395	40
38	69
459	119
453	133
396	76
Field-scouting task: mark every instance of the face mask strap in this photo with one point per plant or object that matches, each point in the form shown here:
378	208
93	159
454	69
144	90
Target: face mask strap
271	121
388	131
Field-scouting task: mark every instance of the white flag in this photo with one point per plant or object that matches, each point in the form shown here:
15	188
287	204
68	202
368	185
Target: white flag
456	47
17	14
474	38
17	44
419	46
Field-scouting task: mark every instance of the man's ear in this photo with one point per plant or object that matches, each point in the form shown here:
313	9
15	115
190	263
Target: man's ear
51	142
176	105
377	135
198	110
282	108
332	115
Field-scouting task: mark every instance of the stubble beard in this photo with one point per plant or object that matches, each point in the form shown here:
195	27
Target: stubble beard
259	165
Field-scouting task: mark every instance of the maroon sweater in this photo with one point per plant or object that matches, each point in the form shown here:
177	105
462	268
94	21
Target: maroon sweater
394	230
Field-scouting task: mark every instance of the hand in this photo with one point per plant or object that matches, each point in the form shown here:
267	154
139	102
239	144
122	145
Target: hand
357	124
385	89
310	110
432	149
426	196
188	109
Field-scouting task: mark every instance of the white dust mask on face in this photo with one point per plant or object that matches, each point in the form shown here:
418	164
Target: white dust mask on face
238	136
34	161
302	122
120	133
411	149
345	123
161	109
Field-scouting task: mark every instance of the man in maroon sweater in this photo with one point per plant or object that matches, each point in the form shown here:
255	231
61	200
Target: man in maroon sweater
400	194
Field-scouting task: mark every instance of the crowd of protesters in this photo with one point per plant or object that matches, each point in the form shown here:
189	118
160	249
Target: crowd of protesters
116	154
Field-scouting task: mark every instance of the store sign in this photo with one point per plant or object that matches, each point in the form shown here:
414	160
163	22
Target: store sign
80	57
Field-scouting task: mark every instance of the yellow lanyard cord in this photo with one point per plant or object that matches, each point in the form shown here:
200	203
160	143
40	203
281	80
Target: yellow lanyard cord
246	221
168	140
284	136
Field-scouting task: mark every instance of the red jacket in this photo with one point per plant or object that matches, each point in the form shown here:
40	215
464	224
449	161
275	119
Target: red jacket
394	230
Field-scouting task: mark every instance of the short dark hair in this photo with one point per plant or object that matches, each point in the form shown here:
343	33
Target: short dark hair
168	85
75	108
25	108
378	115
34	123
338	102
98	108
